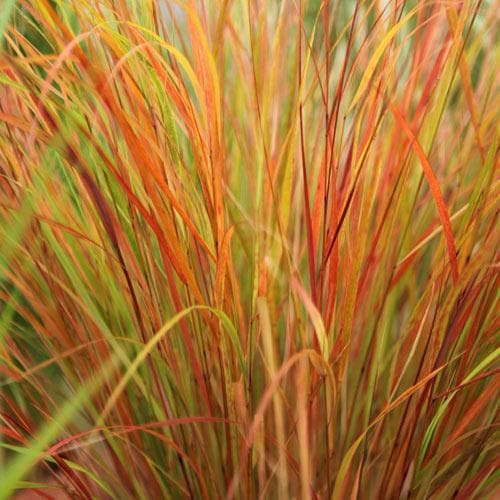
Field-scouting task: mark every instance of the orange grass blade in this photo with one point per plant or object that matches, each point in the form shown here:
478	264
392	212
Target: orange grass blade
434	186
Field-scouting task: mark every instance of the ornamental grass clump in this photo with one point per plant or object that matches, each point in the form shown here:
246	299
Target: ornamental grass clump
249	249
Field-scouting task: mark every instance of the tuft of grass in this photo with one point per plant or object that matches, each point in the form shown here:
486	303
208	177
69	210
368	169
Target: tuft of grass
249	249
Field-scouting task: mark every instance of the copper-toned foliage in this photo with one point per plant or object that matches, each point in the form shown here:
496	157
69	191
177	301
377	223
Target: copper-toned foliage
249	249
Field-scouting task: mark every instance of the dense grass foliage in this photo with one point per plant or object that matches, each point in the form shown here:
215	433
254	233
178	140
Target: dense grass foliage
249	249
